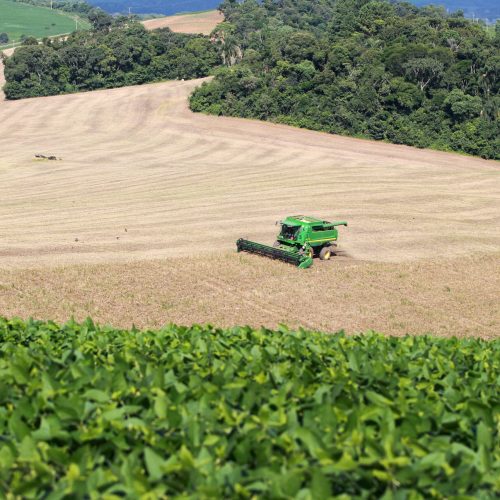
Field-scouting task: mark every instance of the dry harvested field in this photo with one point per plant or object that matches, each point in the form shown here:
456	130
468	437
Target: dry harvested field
199	22
137	222
445	296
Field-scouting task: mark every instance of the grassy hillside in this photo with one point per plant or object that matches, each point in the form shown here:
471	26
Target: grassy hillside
88	412
19	19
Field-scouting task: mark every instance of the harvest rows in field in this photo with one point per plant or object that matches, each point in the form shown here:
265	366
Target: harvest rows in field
90	411
143	179
198	22
185	185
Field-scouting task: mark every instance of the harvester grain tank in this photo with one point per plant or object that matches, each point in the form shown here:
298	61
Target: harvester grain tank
300	239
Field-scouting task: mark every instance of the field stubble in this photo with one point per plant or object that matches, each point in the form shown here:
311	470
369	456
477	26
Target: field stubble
198	22
445	297
137	222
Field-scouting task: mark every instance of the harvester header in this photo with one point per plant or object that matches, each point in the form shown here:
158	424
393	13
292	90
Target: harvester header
300	239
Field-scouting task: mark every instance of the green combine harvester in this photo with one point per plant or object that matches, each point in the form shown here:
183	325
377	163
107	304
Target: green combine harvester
300	239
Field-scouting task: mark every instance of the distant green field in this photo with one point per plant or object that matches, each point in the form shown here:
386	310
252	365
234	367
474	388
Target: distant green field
17	19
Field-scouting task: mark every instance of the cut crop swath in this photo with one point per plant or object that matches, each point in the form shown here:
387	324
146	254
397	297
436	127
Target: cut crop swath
90	412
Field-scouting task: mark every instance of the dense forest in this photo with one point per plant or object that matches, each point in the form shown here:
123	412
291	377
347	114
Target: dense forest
117	52
376	69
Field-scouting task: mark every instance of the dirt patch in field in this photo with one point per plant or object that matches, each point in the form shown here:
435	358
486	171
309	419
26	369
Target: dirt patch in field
199	22
145	206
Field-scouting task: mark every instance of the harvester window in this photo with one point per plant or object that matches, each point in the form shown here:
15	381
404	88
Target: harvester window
289	232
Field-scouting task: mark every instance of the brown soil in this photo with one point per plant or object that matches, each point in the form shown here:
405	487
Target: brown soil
199	22
143	178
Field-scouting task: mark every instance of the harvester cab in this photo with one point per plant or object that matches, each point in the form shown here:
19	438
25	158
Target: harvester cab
300	239
289	233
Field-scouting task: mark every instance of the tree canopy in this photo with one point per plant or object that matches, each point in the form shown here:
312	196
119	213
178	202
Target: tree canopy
369	68
116	53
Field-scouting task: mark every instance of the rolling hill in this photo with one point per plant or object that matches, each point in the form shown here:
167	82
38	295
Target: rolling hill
18	19
133	222
136	223
138	220
198	22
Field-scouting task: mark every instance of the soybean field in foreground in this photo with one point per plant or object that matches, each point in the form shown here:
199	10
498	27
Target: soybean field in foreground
92	412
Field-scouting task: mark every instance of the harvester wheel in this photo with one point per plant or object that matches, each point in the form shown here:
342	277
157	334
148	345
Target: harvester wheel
325	253
311	252
276	244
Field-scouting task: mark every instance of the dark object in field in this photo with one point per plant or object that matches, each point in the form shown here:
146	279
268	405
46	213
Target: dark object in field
51	157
